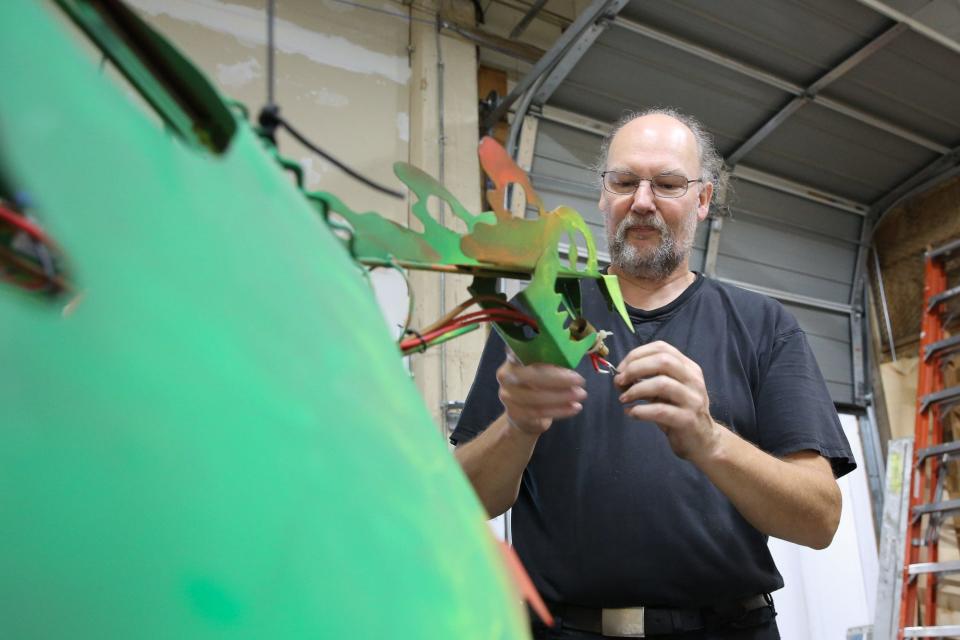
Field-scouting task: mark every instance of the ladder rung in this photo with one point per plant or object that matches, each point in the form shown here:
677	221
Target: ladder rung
932	632
937	507
939	450
941	346
946	395
945	249
943	297
952	566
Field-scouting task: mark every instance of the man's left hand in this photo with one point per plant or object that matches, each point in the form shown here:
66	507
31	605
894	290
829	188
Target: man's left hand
675	395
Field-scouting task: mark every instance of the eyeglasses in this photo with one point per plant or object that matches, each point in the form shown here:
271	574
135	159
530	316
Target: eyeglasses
666	185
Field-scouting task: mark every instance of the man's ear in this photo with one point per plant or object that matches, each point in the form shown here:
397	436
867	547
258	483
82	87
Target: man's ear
703	205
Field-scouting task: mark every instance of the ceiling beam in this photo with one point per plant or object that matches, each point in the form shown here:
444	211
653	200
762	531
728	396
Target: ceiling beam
798	189
570	59
941	169
708	54
768	127
913	23
597	10
517	50
599	128
527	19
858	56
938	171
811	91
779	83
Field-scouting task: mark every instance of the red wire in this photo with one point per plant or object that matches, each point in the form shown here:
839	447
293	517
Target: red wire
593	360
465	320
22	223
439	331
507	314
596	360
604	362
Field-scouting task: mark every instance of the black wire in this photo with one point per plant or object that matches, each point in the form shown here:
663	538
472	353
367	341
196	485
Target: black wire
323	154
270	118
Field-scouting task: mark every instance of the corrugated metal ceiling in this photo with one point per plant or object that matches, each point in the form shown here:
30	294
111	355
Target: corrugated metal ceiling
860	133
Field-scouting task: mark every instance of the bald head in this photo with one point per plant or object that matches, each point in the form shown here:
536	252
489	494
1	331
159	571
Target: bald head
708	162
657	137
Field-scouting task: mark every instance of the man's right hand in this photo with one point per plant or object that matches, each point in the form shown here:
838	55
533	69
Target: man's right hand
534	396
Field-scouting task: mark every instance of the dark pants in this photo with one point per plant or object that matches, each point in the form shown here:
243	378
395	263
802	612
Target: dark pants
743	630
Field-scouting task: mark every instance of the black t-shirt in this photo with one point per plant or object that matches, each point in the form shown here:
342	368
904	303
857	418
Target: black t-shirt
608	515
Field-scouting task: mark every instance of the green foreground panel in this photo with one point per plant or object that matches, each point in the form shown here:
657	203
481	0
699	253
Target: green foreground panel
221	439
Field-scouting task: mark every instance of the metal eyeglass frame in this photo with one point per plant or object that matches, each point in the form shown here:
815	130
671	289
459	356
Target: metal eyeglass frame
603	184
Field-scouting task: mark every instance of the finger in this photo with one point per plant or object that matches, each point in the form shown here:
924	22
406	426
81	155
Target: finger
666	416
539	376
554	413
658	346
659	388
653	364
538	400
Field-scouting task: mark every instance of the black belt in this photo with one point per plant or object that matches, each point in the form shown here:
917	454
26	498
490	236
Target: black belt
639	622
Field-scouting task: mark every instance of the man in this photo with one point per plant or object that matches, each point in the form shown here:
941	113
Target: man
658	489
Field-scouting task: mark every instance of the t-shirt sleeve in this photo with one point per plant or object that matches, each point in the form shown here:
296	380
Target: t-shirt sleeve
794	408
483	404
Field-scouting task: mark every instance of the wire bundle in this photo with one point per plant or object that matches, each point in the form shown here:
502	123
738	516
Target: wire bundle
25	253
456	323
597	361
16	220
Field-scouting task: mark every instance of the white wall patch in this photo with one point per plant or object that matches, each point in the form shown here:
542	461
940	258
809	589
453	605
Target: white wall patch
403	126
239	74
249	26
326	98
313	170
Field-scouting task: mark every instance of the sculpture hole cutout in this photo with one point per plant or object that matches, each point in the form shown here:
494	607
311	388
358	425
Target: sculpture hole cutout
341	226
575	250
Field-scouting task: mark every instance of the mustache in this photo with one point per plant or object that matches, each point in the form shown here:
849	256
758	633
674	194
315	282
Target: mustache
632	220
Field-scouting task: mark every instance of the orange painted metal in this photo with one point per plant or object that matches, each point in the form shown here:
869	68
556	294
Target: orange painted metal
523	583
928	432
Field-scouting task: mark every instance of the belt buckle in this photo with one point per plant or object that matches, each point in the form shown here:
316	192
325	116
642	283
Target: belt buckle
622	623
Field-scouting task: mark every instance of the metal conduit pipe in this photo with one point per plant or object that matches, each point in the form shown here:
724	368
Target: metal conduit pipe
883	305
514	133
441	159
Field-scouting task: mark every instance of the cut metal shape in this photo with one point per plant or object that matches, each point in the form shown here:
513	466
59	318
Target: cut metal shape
496	244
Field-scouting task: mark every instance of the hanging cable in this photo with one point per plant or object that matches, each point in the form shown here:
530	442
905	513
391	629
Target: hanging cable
279	120
269	117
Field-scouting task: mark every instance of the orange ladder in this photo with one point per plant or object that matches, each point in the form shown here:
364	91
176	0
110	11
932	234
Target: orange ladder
930	457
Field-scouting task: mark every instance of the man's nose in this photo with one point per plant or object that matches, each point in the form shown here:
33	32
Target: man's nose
643	199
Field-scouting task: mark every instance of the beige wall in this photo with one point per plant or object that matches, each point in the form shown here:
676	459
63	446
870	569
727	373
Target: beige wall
342	76
899	381
367	87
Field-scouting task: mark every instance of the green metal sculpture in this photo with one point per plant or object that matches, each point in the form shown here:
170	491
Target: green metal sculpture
496	245
207	429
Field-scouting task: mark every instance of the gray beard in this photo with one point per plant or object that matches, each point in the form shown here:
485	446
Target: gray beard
655	264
